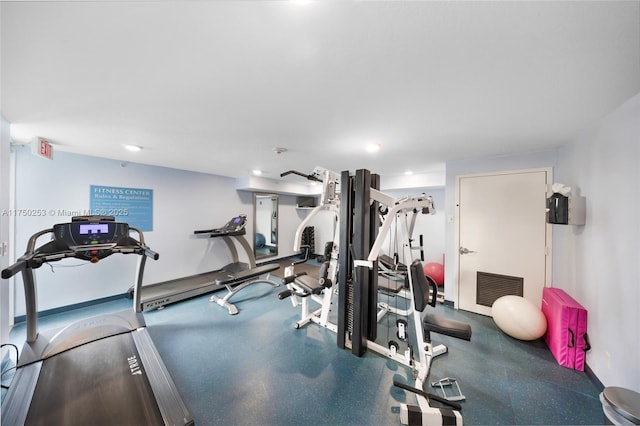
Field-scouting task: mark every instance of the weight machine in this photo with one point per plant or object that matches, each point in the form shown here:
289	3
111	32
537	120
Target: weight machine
362	233
302	288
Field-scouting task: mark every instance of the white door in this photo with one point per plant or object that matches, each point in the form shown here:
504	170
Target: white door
502	237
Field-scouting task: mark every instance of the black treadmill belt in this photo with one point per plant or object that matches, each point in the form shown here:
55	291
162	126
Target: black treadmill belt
181	285
100	383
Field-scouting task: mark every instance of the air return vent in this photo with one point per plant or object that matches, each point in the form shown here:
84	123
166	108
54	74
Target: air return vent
490	287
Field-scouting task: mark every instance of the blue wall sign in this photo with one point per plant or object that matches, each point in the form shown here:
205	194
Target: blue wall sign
131	205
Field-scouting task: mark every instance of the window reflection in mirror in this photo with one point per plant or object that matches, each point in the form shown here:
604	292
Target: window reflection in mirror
265	227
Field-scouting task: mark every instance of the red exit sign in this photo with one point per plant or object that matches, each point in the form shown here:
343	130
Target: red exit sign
41	147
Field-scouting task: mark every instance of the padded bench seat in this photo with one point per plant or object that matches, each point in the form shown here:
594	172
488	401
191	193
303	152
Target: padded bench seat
446	326
389	263
389	286
313	285
310	284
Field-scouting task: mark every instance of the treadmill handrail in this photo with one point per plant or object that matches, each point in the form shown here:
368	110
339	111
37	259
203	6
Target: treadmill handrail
87	247
53	251
19	266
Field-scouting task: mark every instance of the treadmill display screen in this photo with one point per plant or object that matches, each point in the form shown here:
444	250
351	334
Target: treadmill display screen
94	228
234	225
85	237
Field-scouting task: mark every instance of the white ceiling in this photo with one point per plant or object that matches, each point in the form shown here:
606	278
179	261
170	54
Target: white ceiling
215	86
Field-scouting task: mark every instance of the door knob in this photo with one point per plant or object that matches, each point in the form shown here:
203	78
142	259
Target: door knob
464	250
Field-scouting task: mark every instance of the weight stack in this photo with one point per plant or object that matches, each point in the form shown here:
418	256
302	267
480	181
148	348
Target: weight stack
309	239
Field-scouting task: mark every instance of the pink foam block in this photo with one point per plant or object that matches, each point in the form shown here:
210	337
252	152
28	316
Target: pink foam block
566	334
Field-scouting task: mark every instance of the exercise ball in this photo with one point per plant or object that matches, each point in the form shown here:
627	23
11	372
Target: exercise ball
435	271
260	240
519	318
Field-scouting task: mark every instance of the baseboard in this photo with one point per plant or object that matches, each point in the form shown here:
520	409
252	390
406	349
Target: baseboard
594	379
23	318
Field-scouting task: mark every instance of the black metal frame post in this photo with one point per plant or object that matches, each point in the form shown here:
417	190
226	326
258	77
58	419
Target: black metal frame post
359	226
374	226
345	279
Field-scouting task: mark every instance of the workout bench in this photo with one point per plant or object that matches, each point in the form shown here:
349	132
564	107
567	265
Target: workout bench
235	281
307	287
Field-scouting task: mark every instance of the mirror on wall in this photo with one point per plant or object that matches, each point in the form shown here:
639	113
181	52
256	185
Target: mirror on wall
265	226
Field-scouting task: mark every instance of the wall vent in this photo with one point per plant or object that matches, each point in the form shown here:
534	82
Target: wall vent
490	287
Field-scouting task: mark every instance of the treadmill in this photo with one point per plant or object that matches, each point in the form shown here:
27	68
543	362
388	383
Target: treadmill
154	296
101	370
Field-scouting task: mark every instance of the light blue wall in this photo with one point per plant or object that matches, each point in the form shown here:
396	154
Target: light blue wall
598	264
183	202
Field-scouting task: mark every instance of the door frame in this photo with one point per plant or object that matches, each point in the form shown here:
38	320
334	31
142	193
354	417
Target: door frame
548	227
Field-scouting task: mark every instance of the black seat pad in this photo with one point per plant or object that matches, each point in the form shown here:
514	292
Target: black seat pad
315	285
445	326
310	284
389	286
389	263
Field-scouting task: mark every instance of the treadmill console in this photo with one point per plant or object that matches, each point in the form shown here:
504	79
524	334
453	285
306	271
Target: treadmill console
87	238
236	224
234	227
91	238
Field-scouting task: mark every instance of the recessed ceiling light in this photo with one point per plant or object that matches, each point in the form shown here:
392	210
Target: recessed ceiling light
408	173
133	148
257	172
373	147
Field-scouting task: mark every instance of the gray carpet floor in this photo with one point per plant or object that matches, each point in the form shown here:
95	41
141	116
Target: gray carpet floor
254	368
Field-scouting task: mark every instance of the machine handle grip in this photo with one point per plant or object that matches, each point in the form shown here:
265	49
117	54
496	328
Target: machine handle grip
150	253
434	291
295	172
284	294
203	231
304	251
10	271
429	396
291	278
445	401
